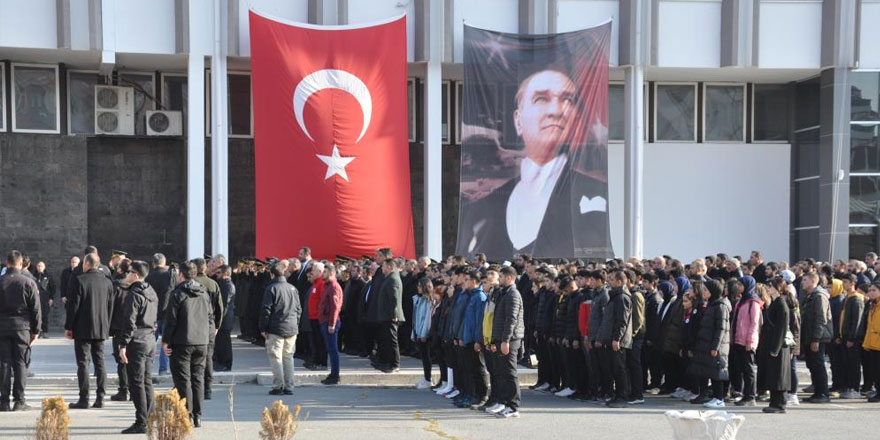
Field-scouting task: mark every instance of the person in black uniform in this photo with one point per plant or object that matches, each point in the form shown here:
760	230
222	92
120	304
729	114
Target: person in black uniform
185	339
137	342
47	294
67	277
218	307
223	348
20	316
117	324
88	324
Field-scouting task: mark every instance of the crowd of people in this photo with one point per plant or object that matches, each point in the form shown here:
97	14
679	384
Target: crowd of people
720	330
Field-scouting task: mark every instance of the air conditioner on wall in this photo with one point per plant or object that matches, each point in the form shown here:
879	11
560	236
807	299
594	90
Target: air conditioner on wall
164	123
114	110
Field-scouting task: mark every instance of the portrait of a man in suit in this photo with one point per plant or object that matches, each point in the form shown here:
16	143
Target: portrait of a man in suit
525	188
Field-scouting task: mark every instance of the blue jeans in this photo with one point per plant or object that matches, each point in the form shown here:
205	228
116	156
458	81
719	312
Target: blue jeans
163	358
331	342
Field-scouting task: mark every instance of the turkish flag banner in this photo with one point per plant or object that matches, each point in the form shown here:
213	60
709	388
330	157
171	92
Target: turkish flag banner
330	129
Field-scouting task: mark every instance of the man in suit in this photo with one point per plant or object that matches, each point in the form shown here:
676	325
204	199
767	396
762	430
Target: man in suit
568	210
223	349
303	285
67	278
88	324
370	304
47	294
389	316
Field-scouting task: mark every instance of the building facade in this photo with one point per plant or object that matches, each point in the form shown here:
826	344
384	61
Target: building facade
734	124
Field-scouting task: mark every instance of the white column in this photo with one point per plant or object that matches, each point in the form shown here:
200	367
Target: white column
433	196
633	159
195	157
219	136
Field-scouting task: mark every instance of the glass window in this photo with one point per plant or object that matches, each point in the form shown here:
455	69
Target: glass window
81	101
144	97
174	93
675	110
615	112
770	112
411	108
725	110
807	243
459	107
806	104
806	192
863	239
444	115
865	148
239	104
806	154
2	97
865	94
864	199
35	93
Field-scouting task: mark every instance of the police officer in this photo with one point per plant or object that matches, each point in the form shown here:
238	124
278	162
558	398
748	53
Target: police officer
138	342
218	305
185	338
88	324
19	328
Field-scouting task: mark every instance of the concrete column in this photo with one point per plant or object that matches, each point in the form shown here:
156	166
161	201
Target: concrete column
433	109
834	148
219	136
633	161
195	156
737	32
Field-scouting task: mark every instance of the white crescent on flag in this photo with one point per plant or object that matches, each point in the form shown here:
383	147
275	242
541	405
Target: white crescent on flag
331	79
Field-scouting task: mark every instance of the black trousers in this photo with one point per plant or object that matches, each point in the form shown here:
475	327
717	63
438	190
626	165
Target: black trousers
451	363
778	399
853	366
425	354
576	367
606	370
617	361
745	364
654	359
389	351
82	348
560	375
463	376
504	366
140	354
316	341
591	358
491	360
223	348
188	373
479	374
209	366
13	365
634	366
837	353
672	371
121	374
371	332
818	372
46	311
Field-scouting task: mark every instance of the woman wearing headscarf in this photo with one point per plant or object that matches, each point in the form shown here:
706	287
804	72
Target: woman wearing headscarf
774	355
693	311
709	361
745	328
670	337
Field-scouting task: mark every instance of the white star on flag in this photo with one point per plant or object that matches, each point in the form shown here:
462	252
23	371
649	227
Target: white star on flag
335	164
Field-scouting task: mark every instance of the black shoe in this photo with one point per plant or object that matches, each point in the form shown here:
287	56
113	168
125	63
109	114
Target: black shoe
207	395
135	429
819	399
276	391
98	403
21	406
745	402
288	392
773	410
197	421
701	399
81	404
44	336
330	380
4	406
119	397
479	405
391	370
616	403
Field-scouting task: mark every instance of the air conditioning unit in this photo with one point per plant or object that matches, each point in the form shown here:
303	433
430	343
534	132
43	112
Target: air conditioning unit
164	123
114	110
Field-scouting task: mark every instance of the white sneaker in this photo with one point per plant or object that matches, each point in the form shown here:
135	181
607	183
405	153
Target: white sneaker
564	393
496	408
508	413
423	384
714	403
793	400
851	394
453	394
437	390
687	396
543	387
677	393
444	389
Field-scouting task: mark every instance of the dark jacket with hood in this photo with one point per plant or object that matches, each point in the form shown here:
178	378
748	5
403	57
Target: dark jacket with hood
281	311
617	319
140	311
188	315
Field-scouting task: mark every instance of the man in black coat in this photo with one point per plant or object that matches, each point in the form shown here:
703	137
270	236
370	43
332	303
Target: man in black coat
162	281
218	311
47	294
117	324
280	314
223	347
508	330
88	323
138	342
67	278
615	336
351	306
19	327
185	340
389	316
303	285
371	304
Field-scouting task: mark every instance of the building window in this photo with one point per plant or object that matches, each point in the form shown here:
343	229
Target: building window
2	97
174	92
81	101
724	113
863	239
239	117
864	181
615	112
459	107
411	108
865	96
144	85
447	111
675	117
770	113
35	99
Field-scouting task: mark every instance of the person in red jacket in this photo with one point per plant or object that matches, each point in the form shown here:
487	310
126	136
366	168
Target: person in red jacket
319	354
330	304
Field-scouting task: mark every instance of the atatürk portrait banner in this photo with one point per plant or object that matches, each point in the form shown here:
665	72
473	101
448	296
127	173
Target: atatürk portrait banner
534	157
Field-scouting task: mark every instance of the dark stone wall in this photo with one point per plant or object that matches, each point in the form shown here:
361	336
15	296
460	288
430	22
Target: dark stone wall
451	169
137	196
242	208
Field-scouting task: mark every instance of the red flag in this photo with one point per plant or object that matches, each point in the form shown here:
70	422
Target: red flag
332	151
